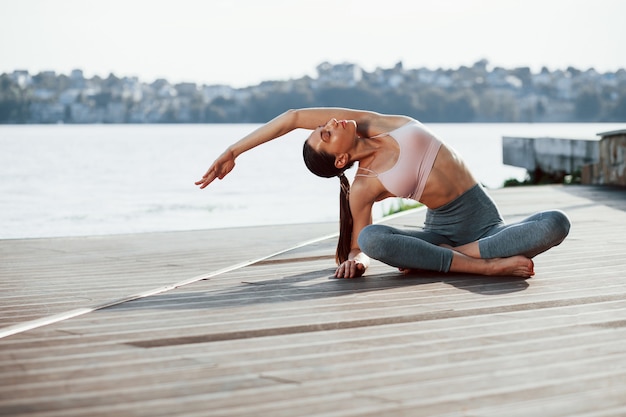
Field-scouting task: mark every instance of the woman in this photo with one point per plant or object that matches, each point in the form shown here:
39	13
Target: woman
398	157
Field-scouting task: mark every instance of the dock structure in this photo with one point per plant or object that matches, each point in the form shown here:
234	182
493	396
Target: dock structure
610	167
250	322
598	162
555	157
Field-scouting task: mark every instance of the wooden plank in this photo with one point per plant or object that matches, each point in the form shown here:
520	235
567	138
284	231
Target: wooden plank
90	271
280	338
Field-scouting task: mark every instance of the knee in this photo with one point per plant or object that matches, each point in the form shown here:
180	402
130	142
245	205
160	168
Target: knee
560	224
371	240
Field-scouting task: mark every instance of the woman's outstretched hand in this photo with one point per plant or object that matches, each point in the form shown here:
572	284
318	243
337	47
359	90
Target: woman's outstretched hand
219	169
350	269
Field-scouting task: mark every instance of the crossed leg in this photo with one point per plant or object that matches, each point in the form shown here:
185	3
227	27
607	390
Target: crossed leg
517	266
529	237
418	250
506	250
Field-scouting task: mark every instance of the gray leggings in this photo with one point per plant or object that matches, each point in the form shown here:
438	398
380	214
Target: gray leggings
473	216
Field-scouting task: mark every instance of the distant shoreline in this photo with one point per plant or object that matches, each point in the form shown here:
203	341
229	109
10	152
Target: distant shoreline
469	94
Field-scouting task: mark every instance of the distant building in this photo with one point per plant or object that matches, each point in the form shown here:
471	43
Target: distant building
186	89
344	74
22	78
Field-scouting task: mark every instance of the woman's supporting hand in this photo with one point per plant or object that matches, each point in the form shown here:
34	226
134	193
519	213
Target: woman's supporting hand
350	269
219	169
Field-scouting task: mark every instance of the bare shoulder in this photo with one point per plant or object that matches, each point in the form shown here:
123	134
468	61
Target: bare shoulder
365	191
378	124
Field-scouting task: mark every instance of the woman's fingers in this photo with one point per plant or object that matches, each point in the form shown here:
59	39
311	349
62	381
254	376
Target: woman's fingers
207	178
216	171
349	269
219	169
339	273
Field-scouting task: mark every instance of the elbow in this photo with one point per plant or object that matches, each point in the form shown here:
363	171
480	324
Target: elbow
289	120
292	116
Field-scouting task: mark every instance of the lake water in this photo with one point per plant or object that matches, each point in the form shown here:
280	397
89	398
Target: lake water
77	180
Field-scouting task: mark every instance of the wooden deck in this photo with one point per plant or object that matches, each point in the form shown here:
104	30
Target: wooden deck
249	322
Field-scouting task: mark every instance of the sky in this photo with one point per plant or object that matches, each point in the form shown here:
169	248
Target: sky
244	42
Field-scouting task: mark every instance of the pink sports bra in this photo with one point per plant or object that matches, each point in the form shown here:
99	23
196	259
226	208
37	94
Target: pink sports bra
418	150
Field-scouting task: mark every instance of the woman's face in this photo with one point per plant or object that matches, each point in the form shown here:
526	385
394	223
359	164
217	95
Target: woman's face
335	137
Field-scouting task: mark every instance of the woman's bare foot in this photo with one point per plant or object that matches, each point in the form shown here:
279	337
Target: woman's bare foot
516	266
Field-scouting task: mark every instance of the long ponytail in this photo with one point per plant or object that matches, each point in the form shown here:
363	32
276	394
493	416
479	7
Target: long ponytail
344	245
322	164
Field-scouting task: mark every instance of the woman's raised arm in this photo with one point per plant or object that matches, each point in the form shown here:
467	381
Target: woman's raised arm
309	118
278	126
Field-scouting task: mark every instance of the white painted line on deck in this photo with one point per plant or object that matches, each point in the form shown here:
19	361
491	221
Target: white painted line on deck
55	318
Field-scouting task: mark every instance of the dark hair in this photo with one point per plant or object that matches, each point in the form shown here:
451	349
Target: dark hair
322	164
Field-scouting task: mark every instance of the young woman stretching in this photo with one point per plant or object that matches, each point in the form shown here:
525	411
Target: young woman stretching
398	157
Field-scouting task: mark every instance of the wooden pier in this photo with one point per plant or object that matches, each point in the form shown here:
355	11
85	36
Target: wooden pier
249	322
